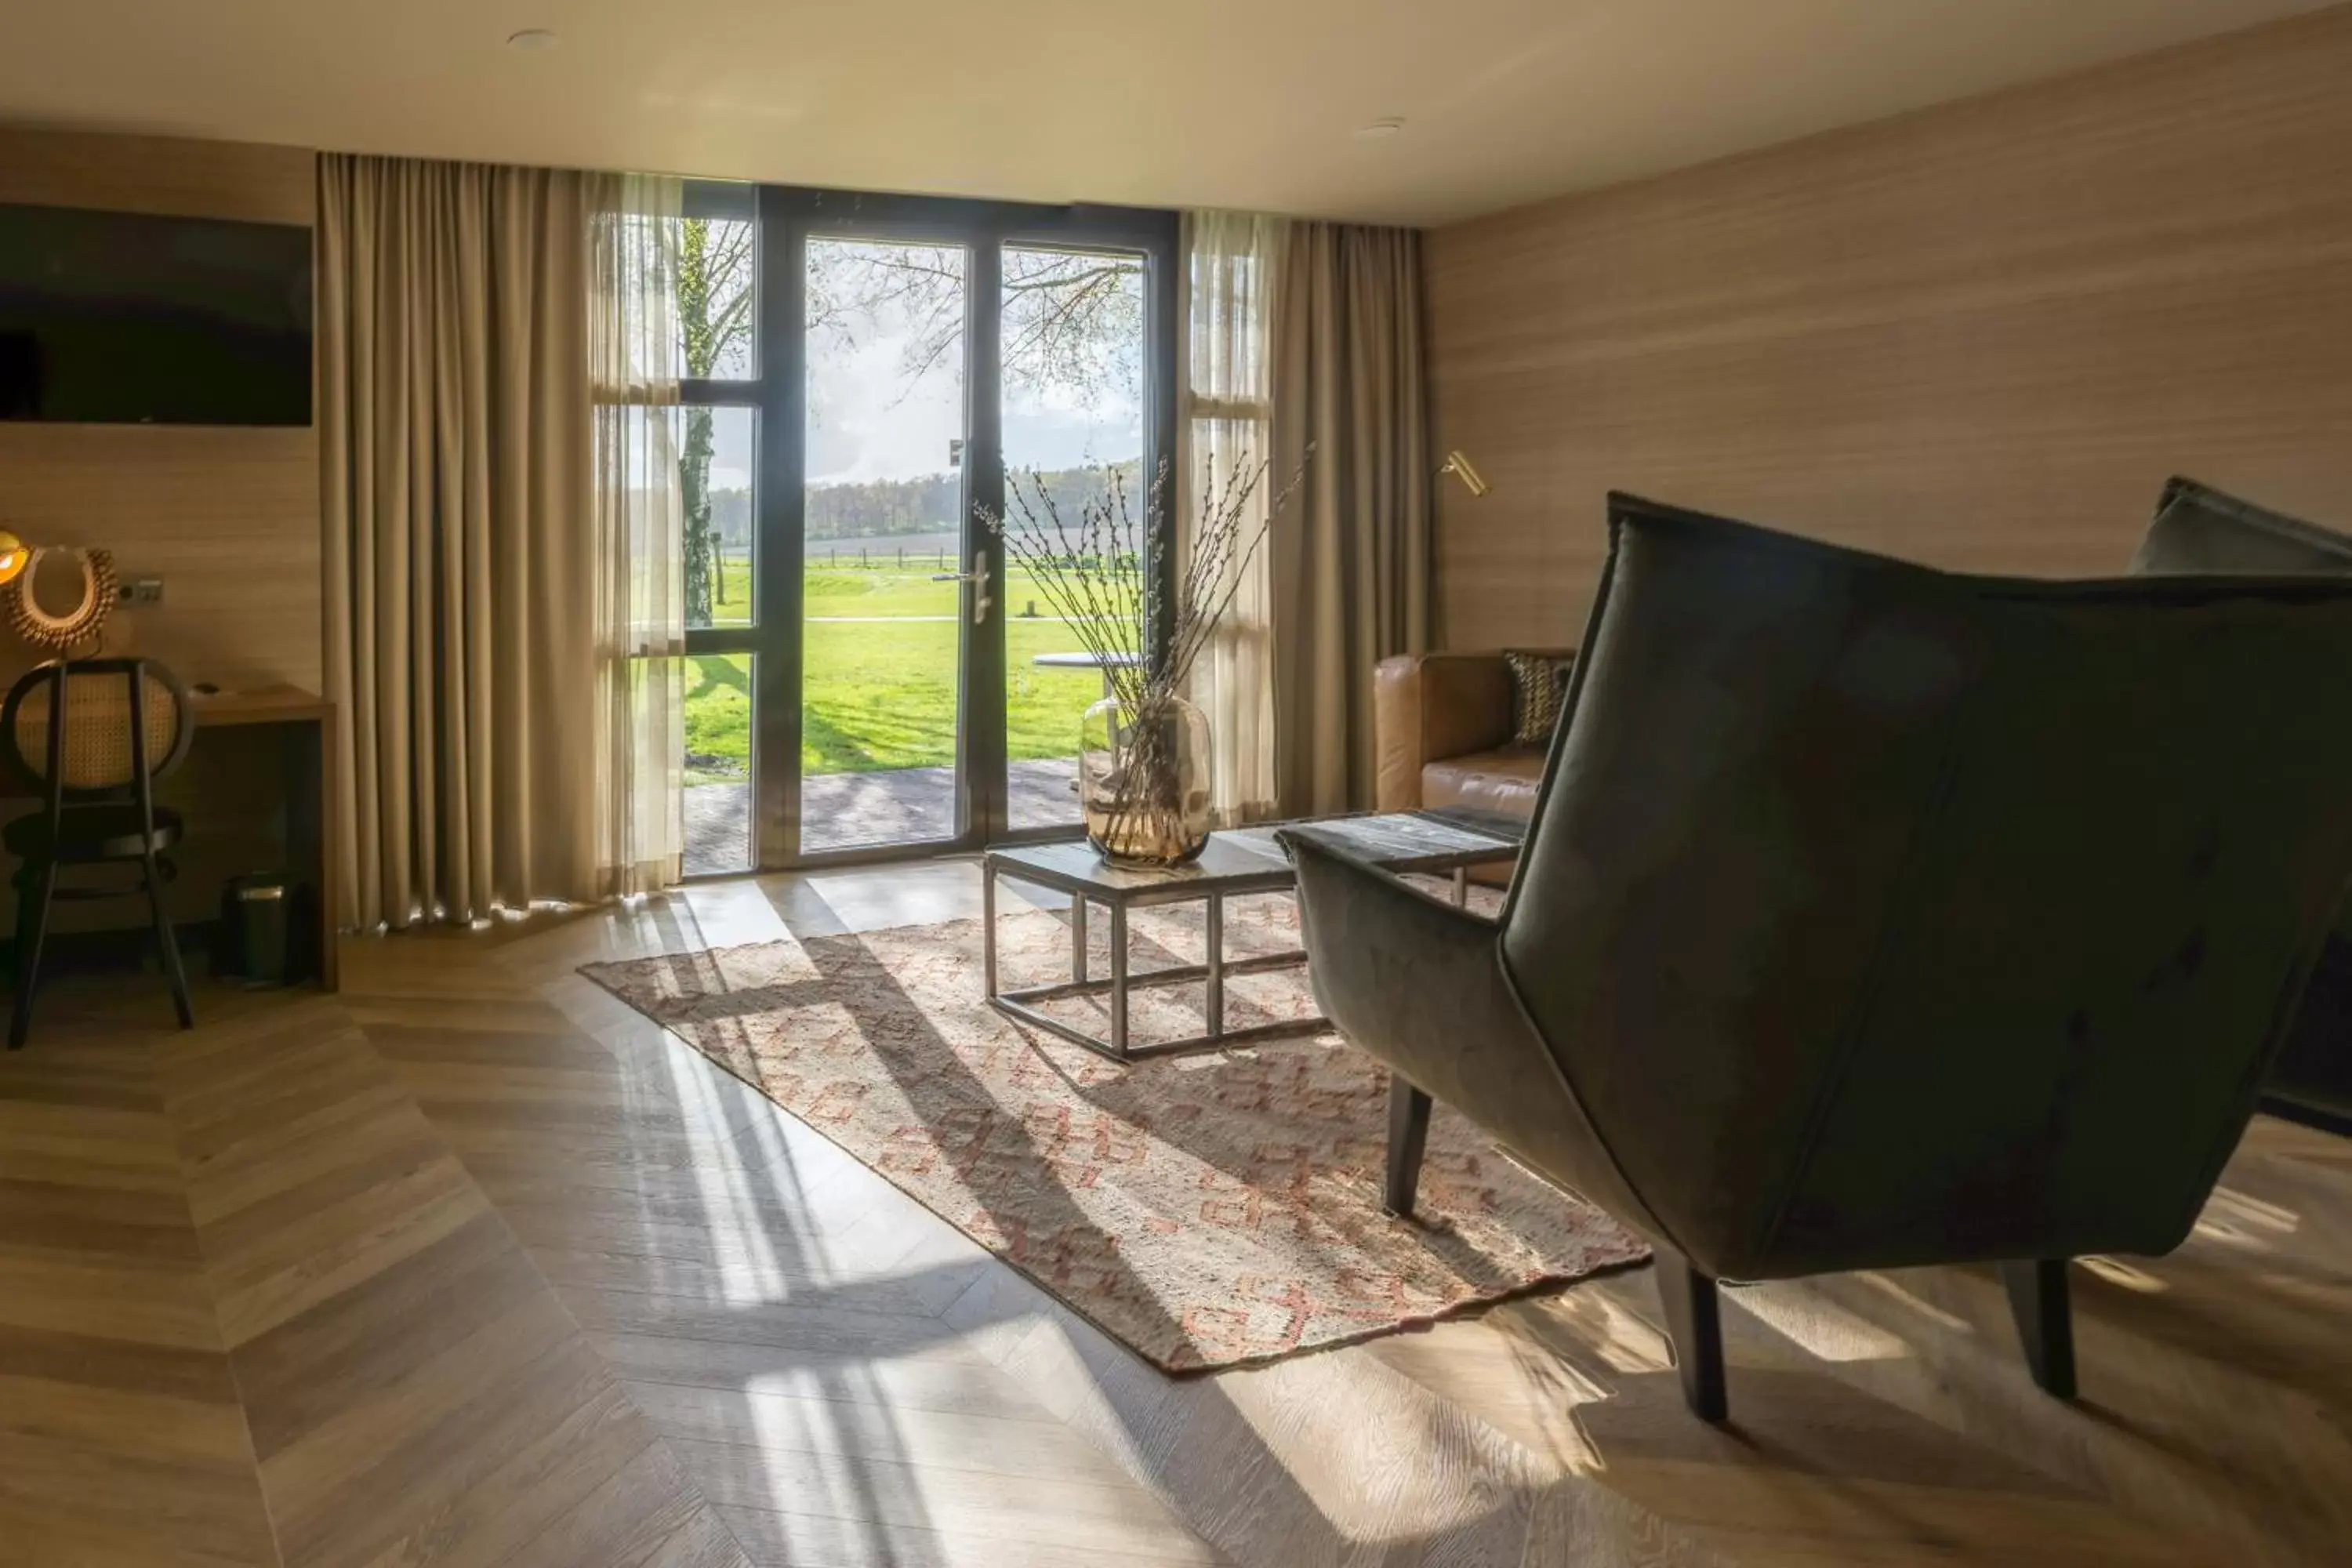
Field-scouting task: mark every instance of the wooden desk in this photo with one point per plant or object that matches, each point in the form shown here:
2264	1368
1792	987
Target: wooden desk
261	705
309	785
245	810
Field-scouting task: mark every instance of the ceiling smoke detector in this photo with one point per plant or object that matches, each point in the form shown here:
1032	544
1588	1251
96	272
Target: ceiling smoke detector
1381	128
532	40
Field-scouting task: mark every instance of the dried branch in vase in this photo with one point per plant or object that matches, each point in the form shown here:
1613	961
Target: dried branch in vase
1108	577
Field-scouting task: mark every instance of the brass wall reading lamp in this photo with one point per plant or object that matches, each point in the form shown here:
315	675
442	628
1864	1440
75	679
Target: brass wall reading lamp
1459	467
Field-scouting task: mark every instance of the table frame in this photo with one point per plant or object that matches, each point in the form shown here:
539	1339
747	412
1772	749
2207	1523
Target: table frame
1118	986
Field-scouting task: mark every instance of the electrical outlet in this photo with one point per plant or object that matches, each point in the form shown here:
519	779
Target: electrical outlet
141	591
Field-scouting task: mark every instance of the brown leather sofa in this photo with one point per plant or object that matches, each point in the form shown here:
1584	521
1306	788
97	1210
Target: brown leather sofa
1443	724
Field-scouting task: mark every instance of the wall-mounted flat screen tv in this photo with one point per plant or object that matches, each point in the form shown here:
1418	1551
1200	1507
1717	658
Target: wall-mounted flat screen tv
126	318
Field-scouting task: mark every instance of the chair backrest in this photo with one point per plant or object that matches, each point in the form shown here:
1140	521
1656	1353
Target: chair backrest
2200	528
96	754
1881	915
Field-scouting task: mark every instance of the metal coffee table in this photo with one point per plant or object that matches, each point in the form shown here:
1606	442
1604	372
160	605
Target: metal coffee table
1238	862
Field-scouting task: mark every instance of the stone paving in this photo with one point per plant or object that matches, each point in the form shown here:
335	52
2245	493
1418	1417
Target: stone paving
841	811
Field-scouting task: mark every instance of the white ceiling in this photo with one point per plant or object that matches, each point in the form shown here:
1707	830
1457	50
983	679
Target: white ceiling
1239	103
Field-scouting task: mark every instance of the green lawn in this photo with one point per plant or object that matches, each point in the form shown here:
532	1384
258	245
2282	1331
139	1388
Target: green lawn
881	590
881	692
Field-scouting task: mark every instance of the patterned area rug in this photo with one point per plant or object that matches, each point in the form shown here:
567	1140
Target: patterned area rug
1206	1211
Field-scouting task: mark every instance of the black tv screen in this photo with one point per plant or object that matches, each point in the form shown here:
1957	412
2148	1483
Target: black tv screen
125	319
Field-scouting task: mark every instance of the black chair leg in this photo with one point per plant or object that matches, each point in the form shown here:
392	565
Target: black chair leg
2045	1321
1408	1137
1695	1328
34	886
173	969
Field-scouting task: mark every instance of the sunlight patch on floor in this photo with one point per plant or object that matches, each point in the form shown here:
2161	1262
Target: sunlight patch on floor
1951	1322
2115	1272
1819	1327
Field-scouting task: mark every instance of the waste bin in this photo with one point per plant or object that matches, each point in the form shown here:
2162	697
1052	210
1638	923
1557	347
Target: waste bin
256	930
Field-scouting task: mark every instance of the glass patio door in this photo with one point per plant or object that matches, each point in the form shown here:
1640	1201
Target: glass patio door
1077	421
866	680
717	439
889	594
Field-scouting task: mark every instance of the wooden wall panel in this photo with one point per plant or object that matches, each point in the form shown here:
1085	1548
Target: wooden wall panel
227	518
1980	336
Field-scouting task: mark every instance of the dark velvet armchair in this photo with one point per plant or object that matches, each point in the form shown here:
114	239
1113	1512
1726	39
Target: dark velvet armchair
2198	529
1874	916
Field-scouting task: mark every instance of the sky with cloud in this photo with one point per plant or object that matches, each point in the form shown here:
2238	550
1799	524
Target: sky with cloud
869	419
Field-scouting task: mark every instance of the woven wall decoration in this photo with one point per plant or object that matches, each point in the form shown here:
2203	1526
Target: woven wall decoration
63	632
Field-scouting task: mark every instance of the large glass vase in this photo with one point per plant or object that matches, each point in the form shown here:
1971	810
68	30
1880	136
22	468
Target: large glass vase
1143	780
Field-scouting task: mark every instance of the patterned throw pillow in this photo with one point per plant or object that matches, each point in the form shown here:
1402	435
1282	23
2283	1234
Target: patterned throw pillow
1539	692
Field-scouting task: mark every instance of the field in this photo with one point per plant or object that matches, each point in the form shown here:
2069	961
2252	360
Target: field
880	651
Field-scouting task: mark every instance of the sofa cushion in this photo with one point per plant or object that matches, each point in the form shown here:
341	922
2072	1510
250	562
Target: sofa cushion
1539	692
1503	780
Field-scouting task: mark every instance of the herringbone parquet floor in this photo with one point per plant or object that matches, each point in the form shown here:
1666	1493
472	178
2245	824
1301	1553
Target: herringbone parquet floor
470	1265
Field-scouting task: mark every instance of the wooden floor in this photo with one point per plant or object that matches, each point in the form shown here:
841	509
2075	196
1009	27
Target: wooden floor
472	1265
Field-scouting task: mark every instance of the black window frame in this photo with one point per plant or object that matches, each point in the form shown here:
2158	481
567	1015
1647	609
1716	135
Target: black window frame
786	217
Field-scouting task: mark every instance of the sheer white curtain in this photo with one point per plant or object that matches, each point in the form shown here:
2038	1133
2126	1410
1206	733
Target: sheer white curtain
634	360
1232	262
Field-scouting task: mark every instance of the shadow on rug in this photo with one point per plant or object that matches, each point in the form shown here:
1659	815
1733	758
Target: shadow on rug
1207	1211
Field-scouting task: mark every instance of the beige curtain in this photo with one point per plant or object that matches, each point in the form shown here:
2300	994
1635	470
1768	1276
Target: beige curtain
469	566
635	356
1350	567
1231	260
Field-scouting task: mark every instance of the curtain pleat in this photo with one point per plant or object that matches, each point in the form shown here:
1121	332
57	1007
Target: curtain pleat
458	443
1231	260
1349	560
636	359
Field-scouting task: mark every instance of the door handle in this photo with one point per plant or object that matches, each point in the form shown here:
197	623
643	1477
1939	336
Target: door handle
978	577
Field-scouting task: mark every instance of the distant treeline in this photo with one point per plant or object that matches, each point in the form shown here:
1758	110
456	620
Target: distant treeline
888	508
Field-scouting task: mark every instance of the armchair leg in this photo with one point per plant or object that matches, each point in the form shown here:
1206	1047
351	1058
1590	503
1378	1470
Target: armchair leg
1695	1329
2045	1321
1408	1137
